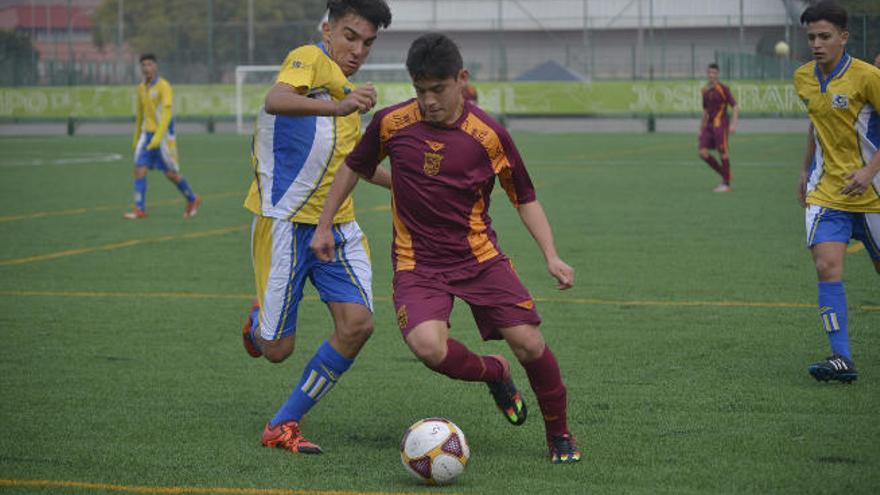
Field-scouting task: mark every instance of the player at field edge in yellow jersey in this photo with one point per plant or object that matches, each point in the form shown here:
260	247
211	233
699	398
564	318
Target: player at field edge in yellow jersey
154	142
839	183
309	124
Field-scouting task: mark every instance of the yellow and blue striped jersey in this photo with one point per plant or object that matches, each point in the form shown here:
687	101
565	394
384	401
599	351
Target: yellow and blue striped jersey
296	157
154	112
843	109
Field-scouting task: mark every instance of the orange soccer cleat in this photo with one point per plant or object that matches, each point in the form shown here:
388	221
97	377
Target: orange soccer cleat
192	207
134	214
287	436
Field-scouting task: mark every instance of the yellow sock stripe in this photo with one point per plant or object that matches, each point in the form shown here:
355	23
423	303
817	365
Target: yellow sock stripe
309	382
317	388
326	389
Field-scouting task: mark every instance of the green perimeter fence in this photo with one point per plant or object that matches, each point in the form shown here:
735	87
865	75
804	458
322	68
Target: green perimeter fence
606	98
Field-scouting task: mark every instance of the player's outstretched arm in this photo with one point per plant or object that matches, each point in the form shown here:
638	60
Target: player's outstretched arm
535	220
805	170
138	122
734	119
284	99
382	177
322	243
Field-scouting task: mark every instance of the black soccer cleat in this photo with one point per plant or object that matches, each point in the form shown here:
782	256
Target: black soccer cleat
507	397
563	449
835	367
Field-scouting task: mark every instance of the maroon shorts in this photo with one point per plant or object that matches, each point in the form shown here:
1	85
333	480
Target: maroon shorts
714	138
497	297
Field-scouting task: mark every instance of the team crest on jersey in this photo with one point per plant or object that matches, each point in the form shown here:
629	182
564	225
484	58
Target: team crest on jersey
840	101
432	163
296	64
401	317
432	160
434	145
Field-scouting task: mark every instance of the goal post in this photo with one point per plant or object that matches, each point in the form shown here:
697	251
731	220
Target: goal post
263	77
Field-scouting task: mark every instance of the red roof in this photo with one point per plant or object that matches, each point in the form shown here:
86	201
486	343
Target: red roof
43	16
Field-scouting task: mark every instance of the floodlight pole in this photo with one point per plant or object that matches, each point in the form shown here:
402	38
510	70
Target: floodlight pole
69	43
210	41
120	30
742	35
250	31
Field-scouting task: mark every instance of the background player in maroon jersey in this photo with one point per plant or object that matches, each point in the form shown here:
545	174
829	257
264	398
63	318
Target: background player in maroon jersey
445	156
715	126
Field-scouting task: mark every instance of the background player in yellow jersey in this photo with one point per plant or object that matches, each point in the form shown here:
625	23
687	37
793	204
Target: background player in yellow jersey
839	183
155	146
309	124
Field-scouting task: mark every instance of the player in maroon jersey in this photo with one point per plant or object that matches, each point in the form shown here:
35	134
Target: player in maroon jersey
715	126
445	156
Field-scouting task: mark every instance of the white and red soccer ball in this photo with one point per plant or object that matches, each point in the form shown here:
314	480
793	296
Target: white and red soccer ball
435	451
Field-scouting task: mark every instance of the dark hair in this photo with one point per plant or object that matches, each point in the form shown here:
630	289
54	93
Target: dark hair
713	65
826	10
374	11
149	56
433	56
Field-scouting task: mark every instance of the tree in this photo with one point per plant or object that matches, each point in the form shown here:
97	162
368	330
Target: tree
180	33
18	59
864	28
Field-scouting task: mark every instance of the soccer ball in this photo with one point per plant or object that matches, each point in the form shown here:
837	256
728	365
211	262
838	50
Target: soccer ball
435	451
781	49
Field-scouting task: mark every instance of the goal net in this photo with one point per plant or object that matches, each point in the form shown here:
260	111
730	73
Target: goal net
253	81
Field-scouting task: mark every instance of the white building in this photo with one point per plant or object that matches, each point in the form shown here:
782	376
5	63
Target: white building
616	39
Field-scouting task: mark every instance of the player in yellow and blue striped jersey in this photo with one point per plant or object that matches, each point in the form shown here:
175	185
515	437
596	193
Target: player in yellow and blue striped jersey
154	143
309	124
839	184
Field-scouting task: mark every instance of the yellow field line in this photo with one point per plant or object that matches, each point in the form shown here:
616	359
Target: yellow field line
81	211
120	245
179	489
133	242
552	300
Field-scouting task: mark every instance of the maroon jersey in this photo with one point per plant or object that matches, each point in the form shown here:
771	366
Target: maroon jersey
715	101
442	179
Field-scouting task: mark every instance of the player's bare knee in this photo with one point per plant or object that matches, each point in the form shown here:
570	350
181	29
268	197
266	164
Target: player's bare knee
703	154
172	176
276	351
828	269
430	353
356	332
527	345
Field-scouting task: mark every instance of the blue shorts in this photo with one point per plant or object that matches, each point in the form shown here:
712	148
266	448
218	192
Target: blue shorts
163	158
830	225
283	261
